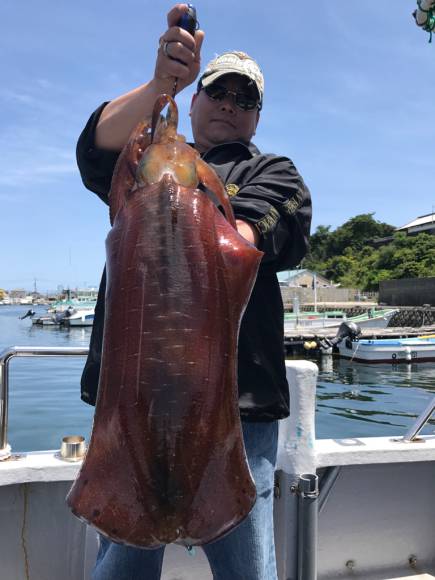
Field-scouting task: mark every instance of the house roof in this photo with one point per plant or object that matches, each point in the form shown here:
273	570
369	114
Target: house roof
424	220
289	275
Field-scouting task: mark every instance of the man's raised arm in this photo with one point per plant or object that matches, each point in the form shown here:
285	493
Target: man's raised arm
178	56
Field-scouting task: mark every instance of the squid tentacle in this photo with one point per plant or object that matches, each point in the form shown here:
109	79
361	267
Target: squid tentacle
209	178
125	170
170	122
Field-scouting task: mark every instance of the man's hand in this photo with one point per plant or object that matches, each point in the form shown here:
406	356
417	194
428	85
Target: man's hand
248	231
176	45
122	115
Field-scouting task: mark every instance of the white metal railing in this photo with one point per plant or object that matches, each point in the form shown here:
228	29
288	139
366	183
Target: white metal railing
24	351
419	423
48	351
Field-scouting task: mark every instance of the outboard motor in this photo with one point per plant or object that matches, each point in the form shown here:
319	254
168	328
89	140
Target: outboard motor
60	317
347	330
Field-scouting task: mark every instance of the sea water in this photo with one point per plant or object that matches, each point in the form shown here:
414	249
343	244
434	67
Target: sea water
353	399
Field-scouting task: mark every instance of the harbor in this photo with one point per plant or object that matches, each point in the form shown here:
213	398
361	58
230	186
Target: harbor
345	435
405	322
354	399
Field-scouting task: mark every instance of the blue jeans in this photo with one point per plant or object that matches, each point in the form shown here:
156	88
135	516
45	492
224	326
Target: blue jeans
246	553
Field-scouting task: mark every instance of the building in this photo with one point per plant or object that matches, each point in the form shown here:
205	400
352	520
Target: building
303	279
85	294
424	224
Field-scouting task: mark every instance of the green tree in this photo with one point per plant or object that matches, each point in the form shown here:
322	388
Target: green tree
318	246
358	232
349	257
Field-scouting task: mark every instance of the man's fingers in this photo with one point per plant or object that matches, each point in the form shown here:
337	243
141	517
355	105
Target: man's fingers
199	39
171	65
176	68
177	50
176	34
176	13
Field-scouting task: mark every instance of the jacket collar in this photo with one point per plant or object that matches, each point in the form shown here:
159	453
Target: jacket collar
230	151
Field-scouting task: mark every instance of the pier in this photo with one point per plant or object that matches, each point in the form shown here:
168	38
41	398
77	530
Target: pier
406	323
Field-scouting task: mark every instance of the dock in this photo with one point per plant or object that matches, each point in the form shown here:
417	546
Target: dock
295	340
407	322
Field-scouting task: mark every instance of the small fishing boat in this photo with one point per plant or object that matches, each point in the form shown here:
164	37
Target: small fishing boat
374	318
68	313
315	320
309	319
80	317
53	318
46	320
398	350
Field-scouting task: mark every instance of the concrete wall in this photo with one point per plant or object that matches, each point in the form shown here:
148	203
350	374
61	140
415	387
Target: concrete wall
408	292
331	294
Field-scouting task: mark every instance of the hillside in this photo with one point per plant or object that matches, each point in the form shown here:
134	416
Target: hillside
350	256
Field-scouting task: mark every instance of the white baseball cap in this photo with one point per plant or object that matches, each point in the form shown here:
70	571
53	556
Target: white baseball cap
233	62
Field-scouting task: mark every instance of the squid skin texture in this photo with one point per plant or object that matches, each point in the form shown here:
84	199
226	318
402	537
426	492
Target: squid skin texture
166	461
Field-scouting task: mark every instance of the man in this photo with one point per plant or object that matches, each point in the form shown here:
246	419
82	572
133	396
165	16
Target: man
273	211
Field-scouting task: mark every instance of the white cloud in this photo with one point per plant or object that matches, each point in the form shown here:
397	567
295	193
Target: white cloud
17	97
17	177
28	161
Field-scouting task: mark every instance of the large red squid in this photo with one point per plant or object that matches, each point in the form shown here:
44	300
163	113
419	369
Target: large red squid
166	460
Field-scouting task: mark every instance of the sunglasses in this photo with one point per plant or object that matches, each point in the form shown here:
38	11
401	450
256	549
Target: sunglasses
242	100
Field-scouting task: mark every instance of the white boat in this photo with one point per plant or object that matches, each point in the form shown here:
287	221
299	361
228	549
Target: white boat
344	508
47	320
53	317
333	319
311	319
400	350
70	315
80	317
375	319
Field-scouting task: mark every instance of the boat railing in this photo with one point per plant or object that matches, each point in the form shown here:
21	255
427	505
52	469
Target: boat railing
48	351
24	351
412	434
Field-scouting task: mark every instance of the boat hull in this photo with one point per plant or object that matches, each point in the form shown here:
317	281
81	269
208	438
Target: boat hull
80	319
388	351
307	321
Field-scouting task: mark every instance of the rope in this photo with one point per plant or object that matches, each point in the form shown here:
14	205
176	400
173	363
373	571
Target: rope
429	25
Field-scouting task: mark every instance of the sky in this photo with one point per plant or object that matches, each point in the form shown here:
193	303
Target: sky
349	97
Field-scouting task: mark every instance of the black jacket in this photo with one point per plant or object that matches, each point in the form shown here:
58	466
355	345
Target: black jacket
267	191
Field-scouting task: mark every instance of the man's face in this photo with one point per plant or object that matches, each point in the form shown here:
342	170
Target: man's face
222	121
